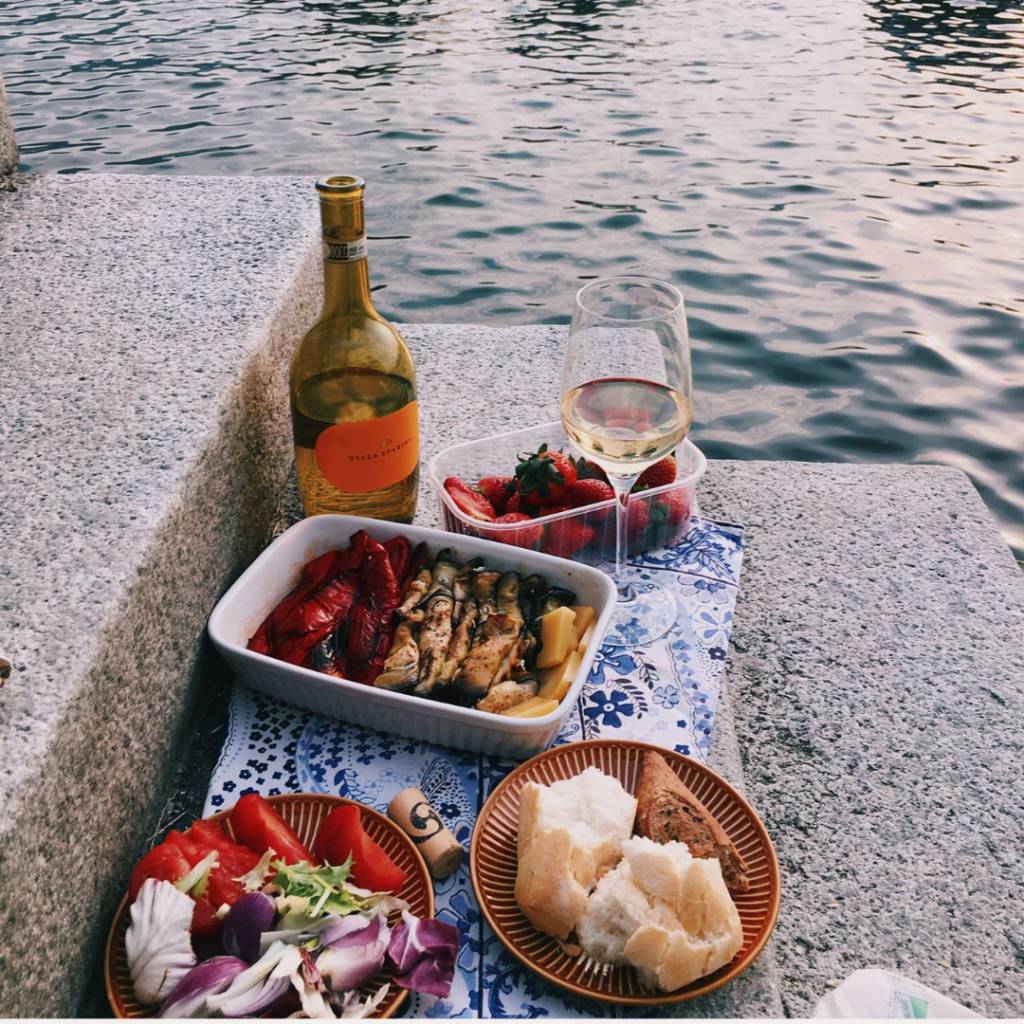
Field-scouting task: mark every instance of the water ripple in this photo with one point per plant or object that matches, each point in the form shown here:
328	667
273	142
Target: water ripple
835	184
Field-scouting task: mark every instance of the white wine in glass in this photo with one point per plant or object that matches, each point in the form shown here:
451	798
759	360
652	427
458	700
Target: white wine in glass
626	390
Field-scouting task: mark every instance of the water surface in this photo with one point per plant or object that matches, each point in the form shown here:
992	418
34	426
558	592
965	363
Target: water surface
834	184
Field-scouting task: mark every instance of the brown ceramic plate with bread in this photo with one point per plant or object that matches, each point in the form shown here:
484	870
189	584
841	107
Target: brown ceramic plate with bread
493	861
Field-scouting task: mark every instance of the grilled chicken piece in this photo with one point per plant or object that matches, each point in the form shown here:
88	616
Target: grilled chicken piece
401	669
462	641
507	594
461	585
435	636
484	588
409	609
508	694
492	645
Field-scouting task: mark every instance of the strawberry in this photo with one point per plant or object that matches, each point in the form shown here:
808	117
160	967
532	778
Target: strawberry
566	537
471	502
670	518
526	537
545	477
587	470
638	515
675	506
590	492
661	473
497	490
515	503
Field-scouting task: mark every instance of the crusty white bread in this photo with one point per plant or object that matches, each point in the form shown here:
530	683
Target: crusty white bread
570	834
665	912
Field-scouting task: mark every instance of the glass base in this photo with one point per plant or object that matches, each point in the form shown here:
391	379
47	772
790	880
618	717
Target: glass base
647	617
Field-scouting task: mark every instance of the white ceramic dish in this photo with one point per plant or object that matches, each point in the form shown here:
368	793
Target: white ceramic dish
275	572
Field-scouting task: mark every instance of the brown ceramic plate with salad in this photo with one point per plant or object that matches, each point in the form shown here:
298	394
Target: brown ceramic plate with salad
304	812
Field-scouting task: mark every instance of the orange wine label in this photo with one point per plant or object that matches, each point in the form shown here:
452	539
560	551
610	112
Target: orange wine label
372	454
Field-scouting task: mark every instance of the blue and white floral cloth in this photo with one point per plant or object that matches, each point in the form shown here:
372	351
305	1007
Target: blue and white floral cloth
663	692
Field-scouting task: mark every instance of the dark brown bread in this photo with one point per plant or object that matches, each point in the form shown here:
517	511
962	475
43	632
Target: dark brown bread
667	810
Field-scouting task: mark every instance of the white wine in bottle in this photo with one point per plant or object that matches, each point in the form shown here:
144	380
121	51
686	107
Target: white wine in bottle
355	419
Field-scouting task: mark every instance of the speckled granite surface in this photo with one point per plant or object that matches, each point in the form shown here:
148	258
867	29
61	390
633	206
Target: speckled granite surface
143	327
875	670
872	711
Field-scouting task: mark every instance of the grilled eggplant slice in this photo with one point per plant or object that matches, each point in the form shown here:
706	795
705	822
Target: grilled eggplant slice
557	597
462	641
409	608
492	644
401	668
435	636
507	595
484	588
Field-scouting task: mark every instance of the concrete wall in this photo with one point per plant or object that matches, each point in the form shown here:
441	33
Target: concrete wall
8	144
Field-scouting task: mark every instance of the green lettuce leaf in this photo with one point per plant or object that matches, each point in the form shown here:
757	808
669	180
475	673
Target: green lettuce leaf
325	888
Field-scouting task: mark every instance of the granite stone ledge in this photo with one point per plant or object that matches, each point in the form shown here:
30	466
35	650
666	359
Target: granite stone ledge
875	666
144	327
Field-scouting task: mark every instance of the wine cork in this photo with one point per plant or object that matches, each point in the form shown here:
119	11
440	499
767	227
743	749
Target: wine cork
411	811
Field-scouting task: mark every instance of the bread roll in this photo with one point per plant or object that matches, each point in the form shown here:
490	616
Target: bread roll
665	912
668	810
570	834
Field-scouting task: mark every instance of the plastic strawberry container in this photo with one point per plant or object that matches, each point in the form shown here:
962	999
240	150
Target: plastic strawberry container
587	534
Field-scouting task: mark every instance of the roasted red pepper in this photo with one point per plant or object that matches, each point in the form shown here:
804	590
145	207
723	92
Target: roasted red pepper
314	575
261	828
338	619
399	552
369	635
342	834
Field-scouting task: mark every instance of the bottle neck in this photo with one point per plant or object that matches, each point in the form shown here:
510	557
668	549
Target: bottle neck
347	288
343	231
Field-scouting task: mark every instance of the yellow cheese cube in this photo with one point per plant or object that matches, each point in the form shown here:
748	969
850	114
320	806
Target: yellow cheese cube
587	639
532	708
584	617
555	682
556	637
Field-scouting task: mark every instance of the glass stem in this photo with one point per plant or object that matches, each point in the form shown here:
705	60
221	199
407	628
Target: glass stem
622	486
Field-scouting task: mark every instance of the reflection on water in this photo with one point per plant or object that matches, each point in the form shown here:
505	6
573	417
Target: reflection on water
959	37
834	184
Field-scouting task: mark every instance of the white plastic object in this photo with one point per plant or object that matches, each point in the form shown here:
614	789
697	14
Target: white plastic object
874	994
498	456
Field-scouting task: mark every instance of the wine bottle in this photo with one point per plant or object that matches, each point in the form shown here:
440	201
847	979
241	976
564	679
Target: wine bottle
355	418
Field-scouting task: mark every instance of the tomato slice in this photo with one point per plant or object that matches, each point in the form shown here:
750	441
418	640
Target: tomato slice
233	858
342	834
261	828
165	862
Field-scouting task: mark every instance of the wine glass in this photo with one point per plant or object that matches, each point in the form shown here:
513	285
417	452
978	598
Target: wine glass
626	390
